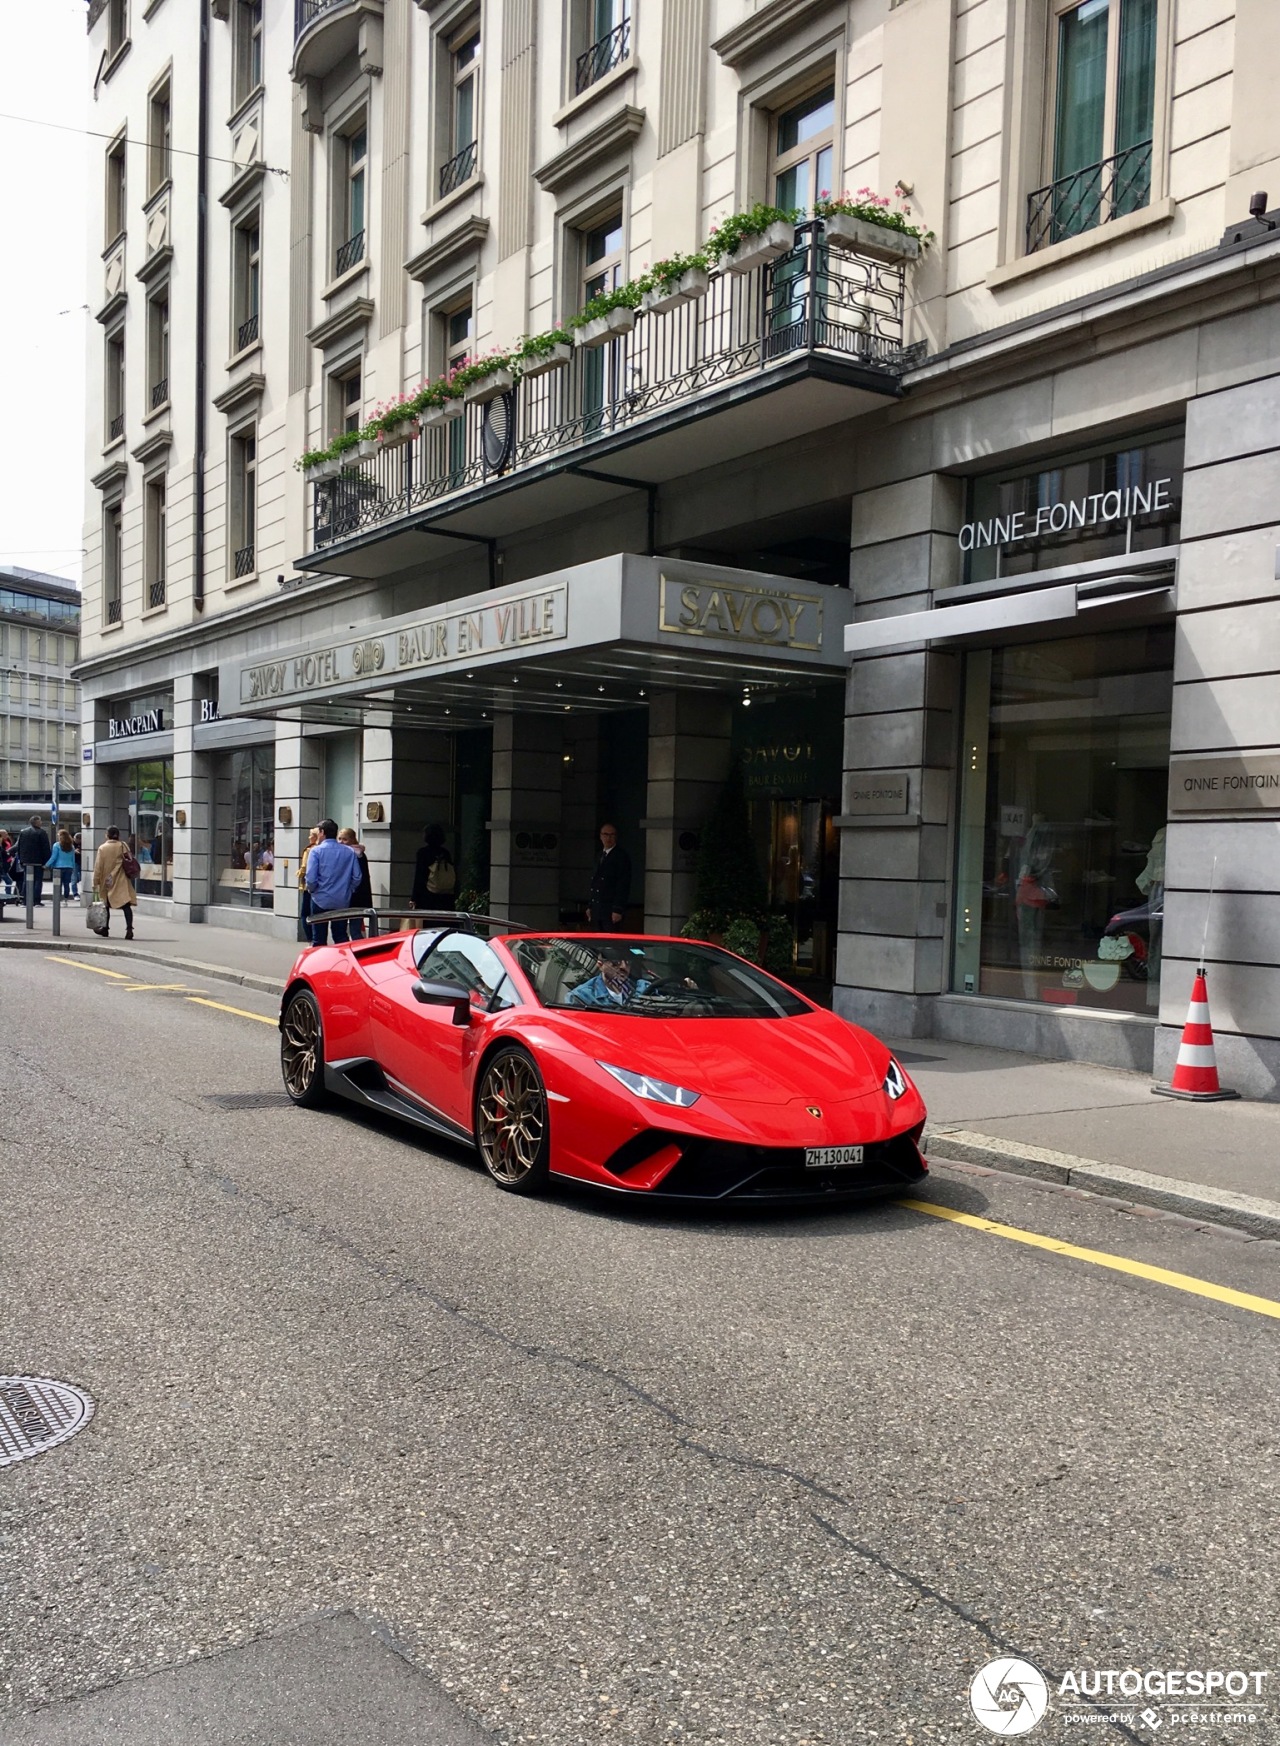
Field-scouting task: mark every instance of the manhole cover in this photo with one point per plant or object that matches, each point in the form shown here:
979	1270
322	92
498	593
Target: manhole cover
247	1099
36	1413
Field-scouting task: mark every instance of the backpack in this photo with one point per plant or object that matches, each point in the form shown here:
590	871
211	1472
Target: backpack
130	866
442	880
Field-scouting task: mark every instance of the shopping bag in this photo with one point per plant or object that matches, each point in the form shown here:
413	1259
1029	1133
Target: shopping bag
95	918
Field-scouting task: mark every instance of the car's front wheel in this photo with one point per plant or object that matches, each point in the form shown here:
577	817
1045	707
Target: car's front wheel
511	1125
302	1050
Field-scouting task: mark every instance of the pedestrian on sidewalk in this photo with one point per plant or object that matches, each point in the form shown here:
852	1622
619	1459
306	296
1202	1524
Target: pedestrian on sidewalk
77	845
8	871
435	878
362	896
62	860
34	849
305	906
111	880
610	883
332	876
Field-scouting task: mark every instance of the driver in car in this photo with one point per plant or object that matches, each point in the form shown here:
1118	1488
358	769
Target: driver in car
613	984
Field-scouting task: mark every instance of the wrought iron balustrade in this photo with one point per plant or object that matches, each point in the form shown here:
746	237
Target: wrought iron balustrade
459	169
247	332
818	298
244	561
113	610
1089	197
305	12
351	251
159	392
155	593
602	57
116	427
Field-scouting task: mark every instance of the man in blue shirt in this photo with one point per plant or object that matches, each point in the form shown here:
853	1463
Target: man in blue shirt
333	872
612	986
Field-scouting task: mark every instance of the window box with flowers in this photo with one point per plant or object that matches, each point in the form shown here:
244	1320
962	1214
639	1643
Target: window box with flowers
486	379
607	316
540	353
869	224
671	283
751	239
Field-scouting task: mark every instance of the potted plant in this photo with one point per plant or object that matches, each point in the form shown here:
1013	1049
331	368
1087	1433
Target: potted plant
869	224
750	239
538	354
608	315
674	282
315	464
484	379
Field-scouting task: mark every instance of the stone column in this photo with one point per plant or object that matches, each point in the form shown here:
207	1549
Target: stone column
299	775
191	795
900	716
524	878
689	756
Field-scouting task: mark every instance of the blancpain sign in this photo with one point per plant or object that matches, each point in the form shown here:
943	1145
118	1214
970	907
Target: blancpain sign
151	721
1096	510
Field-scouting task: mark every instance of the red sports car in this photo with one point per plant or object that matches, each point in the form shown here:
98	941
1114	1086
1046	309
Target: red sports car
654	1067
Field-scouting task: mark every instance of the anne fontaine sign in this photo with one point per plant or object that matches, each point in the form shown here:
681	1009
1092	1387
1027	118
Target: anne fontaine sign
1096	510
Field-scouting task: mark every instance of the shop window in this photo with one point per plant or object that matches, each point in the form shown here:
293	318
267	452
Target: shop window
463	107
1102	502
117	191
1103	68
246	291
244	828
601	39
155	553
142	806
1064	783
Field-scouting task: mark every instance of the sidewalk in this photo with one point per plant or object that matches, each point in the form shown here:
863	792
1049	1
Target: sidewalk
1088	1127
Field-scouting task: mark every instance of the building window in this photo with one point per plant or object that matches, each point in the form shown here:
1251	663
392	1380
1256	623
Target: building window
117	26
243	461
351	171
803	141
117	188
457	327
244	810
112	565
113	395
347	390
602	39
602	269
464	107
247	270
158	350
142	801
247	50
159	139
1103	56
156	544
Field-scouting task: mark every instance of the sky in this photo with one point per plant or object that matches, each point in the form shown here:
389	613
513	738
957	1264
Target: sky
43	61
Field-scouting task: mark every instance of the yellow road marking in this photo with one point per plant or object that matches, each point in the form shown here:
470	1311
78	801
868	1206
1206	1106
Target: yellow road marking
1260	1306
194	1000
96	970
162	988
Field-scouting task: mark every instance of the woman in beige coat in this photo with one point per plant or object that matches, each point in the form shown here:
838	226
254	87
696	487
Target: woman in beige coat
112	884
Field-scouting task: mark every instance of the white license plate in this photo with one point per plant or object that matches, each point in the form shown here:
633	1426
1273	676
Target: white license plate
832	1157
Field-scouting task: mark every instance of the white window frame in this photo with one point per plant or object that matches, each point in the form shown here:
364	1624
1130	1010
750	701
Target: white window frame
116	197
159	346
159	135
242	503
247	50
246	278
155	578
114	381
112	564
347	170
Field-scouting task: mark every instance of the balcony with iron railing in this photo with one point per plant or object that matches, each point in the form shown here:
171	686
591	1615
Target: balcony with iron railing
349	255
459	169
819	330
159	393
1089	197
243	561
247	332
326	31
115	428
608	52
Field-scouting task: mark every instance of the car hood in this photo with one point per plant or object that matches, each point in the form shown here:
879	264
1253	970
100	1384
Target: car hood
813	1056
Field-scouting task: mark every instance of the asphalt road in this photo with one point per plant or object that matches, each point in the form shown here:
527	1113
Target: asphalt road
438	1465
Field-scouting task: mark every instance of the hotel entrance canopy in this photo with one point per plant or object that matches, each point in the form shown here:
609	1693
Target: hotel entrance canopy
602	635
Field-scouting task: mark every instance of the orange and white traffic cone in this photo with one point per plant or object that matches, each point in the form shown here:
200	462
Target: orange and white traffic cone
1195	1073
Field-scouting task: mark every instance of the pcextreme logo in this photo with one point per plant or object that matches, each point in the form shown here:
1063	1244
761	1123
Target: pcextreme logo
1010	1696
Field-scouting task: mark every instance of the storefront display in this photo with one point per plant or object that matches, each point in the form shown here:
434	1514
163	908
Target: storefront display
244	827
142	807
1060	884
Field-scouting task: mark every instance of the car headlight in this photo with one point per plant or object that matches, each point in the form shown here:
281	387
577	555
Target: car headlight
895	1081
651	1089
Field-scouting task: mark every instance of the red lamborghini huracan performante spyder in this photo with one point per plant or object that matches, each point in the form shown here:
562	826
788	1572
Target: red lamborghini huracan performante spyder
652	1067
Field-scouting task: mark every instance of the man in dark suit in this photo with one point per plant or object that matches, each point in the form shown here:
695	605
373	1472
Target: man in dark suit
33	851
610	883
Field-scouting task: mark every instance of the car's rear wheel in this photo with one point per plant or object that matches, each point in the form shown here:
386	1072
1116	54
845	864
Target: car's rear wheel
512	1128
302	1050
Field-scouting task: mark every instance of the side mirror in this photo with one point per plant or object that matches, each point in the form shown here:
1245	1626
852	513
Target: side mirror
445	994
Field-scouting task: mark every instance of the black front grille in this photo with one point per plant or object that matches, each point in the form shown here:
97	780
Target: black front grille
713	1170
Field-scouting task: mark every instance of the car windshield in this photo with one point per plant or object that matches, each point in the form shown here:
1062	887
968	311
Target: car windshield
650	979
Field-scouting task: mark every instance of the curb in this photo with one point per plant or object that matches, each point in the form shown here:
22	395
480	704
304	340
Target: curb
1221	1206
215	972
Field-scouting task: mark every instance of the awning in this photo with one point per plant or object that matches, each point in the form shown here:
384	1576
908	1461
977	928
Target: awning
1024	602
599	636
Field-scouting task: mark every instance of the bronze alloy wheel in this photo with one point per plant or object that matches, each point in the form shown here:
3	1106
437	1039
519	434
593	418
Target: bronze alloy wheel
511	1122
302	1051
